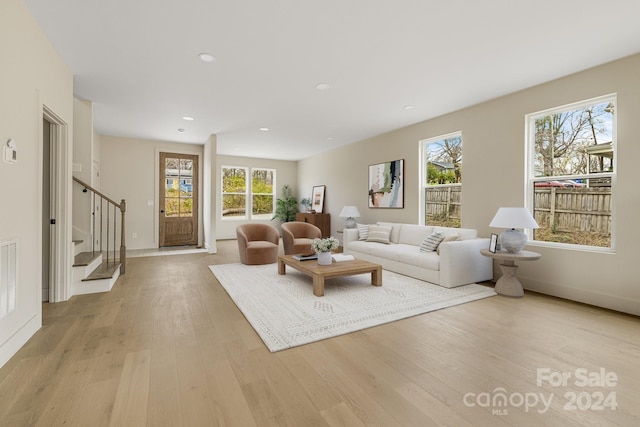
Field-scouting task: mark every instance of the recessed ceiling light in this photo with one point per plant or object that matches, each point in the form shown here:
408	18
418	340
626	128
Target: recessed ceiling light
264	129
330	138
322	86
181	130
408	107
206	57
188	118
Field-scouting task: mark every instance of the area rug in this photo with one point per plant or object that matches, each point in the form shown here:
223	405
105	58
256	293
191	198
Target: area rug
285	313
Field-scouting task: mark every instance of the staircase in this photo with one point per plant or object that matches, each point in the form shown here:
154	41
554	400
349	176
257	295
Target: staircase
97	268
91	274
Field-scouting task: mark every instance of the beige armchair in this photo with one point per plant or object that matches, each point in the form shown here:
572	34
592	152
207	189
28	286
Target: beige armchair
258	243
297	237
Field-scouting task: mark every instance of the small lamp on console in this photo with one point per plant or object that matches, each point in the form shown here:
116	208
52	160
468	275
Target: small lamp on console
512	239
350	212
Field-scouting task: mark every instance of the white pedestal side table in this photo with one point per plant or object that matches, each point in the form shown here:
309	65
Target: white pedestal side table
508	284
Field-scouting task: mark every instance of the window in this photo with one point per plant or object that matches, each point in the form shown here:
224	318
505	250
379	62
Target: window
234	192
262	195
441	179
240	196
571	172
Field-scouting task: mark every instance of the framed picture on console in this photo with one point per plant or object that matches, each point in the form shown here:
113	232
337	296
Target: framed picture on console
494	243
317	198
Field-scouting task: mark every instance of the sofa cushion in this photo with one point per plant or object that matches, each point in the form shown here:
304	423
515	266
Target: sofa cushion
389	251
409	254
413	234
379	234
361	246
465	233
431	242
449	238
395	230
363	231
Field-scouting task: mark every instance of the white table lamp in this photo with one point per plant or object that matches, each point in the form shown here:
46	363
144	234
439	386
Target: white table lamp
512	239
350	212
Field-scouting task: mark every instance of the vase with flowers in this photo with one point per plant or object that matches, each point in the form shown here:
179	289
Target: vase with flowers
323	248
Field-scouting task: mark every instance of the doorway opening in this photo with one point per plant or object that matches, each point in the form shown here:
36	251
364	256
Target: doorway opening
55	211
48	229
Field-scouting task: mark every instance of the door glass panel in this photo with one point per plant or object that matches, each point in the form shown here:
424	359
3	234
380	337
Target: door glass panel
170	187
171	208
186	207
186	167
170	163
186	188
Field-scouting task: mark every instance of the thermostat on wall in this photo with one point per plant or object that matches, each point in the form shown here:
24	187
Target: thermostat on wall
10	152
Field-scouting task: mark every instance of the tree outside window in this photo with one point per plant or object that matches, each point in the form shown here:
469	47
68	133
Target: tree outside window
442	184
234	192
571	171
262	195
238	191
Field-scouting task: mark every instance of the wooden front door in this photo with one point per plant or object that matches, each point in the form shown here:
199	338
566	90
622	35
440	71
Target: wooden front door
178	199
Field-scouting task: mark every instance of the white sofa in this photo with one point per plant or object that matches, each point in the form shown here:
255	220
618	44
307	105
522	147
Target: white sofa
457	263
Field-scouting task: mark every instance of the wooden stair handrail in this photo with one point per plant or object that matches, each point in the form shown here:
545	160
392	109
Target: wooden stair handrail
88	187
123	208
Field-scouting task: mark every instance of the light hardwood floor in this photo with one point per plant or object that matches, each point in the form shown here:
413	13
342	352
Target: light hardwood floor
168	347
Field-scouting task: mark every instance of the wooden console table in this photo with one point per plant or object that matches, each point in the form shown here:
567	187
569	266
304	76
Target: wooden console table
322	221
508	284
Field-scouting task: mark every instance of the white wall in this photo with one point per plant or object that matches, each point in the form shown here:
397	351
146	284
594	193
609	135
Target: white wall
209	185
31	75
493	144
82	161
286	173
130	171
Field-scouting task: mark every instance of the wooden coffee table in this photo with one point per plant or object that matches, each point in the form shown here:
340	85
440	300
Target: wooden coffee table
320	272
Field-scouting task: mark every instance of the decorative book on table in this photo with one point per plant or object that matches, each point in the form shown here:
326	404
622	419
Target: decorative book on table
342	257
305	257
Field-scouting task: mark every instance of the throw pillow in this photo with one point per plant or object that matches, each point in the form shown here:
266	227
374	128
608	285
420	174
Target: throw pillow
431	242
450	238
379	234
363	231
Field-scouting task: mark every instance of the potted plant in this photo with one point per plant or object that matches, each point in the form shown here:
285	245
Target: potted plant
323	248
306	203
287	207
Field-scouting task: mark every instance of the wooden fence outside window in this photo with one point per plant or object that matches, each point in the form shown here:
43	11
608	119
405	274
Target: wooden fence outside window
568	210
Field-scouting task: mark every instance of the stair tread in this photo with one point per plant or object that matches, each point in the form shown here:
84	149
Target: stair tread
104	271
85	258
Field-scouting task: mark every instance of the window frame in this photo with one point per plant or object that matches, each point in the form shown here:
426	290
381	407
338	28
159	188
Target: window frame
223	193
531	179
252	193
248	194
422	175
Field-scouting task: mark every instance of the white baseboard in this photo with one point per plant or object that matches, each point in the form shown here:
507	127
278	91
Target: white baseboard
10	347
598	299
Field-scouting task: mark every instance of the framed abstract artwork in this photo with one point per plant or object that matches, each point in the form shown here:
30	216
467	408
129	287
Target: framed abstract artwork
386	185
317	198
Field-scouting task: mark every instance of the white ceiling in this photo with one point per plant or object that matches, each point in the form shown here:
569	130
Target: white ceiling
137	60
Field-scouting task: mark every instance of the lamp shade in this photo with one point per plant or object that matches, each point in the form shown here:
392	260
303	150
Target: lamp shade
513	218
350	212
513	240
